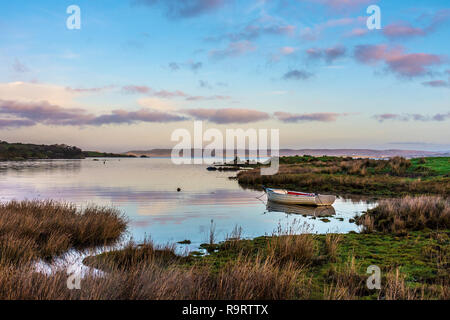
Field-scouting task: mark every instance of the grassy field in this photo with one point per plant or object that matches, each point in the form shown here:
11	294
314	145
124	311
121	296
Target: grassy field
417	256
439	165
394	177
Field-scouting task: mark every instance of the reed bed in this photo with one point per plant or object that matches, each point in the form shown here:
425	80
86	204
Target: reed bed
407	214
332	241
395	288
244	279
293	244
132	254
346	281
32	230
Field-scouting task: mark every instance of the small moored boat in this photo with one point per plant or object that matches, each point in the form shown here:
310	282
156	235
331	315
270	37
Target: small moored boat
295	197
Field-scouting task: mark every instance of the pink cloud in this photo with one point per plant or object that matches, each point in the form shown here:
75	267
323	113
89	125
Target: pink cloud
129	117
406	30
228	115
287	50
185	9
357	32
437	84
412	117
320	116
89	90
282	52
15	123
414	64
206	98
234	49
313	33
345	4
166	94
19	114
328	54
404	64
170	94
402	30
297	75
136	89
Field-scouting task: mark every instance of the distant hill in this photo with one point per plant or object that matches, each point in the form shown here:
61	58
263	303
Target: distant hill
364	153
21	151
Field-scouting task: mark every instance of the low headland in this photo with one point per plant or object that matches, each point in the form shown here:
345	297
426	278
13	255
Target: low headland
27	151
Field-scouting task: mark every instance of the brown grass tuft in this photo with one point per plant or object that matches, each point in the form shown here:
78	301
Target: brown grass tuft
395	288
287	246
345	282
332	245
407	214
44	229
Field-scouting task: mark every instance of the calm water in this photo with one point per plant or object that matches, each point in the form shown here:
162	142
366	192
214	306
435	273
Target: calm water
145	190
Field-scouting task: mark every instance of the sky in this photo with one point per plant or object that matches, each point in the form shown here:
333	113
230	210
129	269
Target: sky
137	70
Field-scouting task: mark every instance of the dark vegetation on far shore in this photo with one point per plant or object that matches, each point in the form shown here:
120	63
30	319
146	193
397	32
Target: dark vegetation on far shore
394	177
20	151
92	154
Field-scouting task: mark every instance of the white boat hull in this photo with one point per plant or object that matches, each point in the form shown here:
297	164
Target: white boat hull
284	196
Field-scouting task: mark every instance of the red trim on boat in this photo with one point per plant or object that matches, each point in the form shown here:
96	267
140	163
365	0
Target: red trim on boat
300	193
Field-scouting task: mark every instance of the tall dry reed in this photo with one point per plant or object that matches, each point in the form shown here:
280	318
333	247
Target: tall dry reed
44	229
408	213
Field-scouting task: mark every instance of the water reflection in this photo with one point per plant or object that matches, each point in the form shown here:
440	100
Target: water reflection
146	191
40	166
323	211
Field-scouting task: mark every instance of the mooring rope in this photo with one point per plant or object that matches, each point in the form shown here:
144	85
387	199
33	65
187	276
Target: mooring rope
260	196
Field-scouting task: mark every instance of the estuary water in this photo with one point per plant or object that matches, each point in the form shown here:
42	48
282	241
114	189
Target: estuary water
146	191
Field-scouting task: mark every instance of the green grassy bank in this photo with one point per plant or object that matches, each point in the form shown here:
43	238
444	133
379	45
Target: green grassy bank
394	177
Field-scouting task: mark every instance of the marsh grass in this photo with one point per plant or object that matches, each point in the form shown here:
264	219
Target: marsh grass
32	230
292	244
261	278
407	214
244	279
395	288
346	281
396	176
332	241
285	249
233	240
132	254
